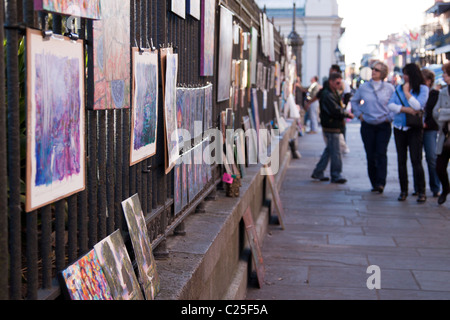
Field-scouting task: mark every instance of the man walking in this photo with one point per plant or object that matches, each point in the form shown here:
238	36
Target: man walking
332	117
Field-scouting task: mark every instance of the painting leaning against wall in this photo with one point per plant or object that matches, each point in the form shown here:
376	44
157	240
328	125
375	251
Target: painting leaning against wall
55	119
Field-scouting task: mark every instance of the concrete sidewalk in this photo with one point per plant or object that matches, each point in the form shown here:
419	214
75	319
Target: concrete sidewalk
334	232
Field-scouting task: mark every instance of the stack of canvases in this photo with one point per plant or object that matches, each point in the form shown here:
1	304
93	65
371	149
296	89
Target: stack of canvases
106	272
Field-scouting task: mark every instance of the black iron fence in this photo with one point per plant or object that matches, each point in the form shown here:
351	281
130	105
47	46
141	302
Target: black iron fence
35	246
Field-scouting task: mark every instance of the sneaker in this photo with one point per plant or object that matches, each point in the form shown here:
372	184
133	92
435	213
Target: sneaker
320	178
340	181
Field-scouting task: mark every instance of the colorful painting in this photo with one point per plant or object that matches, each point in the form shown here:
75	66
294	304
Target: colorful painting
199	108
55	119
179	8
190	175
145	105
170	110
193	110
207	37
252	236
82	8
193	8
112	56
186	121
225	54
85	279
207	122
182	115
116	264
148	275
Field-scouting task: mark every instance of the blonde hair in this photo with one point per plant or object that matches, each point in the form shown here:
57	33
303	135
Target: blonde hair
384	70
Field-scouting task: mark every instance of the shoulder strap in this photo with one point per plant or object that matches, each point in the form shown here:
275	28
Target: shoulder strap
401	101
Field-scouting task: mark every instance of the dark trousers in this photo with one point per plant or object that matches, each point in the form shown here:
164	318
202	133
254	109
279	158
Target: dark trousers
376	140
441	169
411	139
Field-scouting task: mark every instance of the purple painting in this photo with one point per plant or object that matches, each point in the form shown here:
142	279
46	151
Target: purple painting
208	15
55	135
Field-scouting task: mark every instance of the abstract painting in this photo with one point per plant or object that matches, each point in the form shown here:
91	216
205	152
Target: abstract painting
179	8
184	184
207	38
170	110
182	116
55	119
112	56
145	105
193	110
200	93
193	8
225	54
116	264
85	279
82	8
148	275
190	175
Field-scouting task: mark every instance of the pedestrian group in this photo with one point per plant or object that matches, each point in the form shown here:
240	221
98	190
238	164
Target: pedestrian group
418	113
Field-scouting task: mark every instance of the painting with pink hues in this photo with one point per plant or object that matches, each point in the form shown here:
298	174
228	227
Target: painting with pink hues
85	279
225	54
55	119
112	75
208	9
81	8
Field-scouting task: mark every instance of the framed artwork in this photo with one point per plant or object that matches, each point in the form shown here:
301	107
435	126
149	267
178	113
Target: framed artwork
177	189
198	161
170	111
89	9
179	8
116	264
85	279
200	106
193	8
275	195
144	122
148	275
55	119
225	54
193	112
181	106
186	121
253	55
255	109
208	23
112	75
252	236
190	175
251	146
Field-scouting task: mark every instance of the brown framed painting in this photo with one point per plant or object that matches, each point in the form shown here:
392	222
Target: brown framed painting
254	246
55	119
275	195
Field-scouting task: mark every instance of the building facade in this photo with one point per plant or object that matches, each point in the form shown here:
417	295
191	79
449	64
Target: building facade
318	24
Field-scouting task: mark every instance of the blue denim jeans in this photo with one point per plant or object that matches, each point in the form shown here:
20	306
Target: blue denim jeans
429	146
332	153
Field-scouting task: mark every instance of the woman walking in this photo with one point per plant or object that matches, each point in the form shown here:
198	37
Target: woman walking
370	105
441	113
409	98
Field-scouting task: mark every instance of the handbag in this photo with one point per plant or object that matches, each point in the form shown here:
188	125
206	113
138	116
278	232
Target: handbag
412	121
446	131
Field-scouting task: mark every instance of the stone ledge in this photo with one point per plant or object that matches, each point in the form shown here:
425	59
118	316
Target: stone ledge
211	261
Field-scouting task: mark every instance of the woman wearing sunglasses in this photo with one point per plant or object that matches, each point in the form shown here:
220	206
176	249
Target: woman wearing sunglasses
410	97
369	104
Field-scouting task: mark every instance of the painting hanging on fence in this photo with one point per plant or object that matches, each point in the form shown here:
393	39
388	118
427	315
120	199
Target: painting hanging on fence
89	9
85	279
145	105
225	54
193	8
116	264
55	119
170	111
112	85
253	55
177	189
179	8
208	22
148	275
184	185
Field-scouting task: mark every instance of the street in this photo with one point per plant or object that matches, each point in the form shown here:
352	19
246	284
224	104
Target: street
335	232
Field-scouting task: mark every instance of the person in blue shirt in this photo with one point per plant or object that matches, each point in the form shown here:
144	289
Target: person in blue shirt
410	97
370	105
